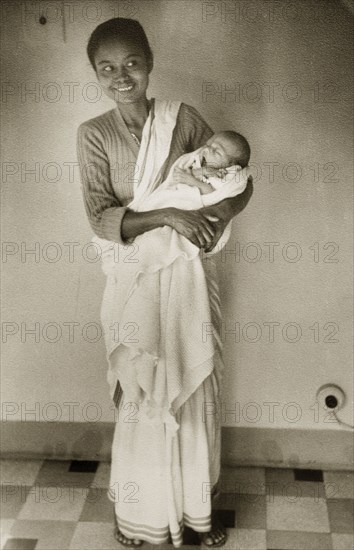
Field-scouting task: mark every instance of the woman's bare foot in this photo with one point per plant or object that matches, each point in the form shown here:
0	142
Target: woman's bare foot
133	543
217	536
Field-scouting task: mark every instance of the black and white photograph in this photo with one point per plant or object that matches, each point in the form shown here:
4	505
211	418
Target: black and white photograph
177	275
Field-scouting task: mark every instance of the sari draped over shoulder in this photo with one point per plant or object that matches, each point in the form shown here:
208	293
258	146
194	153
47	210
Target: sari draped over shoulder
162	296
160	314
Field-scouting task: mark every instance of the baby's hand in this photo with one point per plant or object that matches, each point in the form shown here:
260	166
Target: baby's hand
212	171
184	176
198	173
187	177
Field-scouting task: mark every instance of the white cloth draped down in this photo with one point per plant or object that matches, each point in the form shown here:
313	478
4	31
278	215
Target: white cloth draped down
165	358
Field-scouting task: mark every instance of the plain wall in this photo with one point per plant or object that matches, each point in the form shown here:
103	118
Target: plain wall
282	78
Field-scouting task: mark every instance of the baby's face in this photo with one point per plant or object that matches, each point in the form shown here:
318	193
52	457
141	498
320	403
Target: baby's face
217	152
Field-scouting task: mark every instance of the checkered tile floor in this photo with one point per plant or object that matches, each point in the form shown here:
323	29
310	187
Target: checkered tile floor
62	505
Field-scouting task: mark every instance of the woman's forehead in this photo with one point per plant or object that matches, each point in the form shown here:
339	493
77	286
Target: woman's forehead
118	48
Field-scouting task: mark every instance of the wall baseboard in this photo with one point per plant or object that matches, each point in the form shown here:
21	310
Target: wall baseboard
288	448
264	447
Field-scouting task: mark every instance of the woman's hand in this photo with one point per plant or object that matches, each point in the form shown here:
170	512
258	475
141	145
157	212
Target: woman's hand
219	225
194	225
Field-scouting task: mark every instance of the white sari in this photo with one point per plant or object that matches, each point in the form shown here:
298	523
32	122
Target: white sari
166	377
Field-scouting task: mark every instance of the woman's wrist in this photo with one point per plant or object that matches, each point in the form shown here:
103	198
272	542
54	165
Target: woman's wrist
137	223
169	216
222	210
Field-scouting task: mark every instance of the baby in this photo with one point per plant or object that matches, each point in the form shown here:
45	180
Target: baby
210	167
214	172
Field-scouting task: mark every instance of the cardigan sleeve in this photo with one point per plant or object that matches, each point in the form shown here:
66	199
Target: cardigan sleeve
196	130
190	133
103	209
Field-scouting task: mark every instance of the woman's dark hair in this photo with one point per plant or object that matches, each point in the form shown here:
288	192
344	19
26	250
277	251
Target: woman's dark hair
121	28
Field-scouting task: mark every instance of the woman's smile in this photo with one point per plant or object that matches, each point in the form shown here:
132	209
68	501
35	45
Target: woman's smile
124	89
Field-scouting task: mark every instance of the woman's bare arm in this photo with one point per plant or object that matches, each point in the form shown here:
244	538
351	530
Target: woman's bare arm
111	220
202	227
192	224
226	210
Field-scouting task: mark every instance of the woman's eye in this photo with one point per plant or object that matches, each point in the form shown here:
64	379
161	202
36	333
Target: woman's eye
131	63
107	69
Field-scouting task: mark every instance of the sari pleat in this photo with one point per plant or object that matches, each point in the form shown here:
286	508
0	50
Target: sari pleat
161	481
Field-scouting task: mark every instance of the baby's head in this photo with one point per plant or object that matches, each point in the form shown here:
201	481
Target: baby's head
225	149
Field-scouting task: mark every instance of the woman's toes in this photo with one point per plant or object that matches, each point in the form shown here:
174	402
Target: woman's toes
214	537
208	540
218	536
123	539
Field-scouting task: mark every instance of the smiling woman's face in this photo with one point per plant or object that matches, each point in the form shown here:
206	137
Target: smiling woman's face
123	71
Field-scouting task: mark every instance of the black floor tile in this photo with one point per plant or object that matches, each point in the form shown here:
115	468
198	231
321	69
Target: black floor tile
86	466
190	537
226	517
308	475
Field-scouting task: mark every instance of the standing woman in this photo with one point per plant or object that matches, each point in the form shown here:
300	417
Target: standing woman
159	484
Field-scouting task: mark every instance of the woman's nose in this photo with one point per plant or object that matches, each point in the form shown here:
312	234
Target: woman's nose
120	74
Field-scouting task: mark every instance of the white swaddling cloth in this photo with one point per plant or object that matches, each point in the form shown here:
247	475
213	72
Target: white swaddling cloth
159	301
165	244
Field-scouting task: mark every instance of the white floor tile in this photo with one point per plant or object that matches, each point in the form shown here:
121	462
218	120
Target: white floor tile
342	542
339	484
304	514
54	503
94	536
246	539
5	527
19	472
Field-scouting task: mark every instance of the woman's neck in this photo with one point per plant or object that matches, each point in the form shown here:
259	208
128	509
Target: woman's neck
135	114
